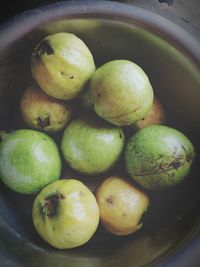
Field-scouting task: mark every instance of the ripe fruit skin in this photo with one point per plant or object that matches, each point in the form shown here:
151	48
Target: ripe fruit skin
121	206
158	157
62	65
42	112
156	115
65	214
29	161
91	145
120	92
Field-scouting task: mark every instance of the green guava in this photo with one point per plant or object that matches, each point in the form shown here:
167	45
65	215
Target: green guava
29	160
158	157
92	146
62	64
65	214
120	92
42	112
121	205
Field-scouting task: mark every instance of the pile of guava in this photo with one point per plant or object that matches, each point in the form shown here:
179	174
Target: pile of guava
104	123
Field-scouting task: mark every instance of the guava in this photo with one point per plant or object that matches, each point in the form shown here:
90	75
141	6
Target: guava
65	214
121	205
62	64
29	160
120	92
43	112
158	157
92	146
156	115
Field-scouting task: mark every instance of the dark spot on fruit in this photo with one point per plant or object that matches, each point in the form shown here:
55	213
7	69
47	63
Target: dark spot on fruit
110	201
176	164
43	48
50	204
71	77
124	214
42	123
121	135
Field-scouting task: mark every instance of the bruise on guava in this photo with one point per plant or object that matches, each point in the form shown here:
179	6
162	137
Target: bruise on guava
43	112
43	48
176	163
50	205
110	201
42	123
65	213
158	157
61	65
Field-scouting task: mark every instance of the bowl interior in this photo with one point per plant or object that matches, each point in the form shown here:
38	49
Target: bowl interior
173	217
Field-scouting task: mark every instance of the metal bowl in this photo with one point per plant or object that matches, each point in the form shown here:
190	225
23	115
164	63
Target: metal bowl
171	58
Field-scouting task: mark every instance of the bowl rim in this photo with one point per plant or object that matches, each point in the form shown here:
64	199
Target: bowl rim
163	27
188	254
